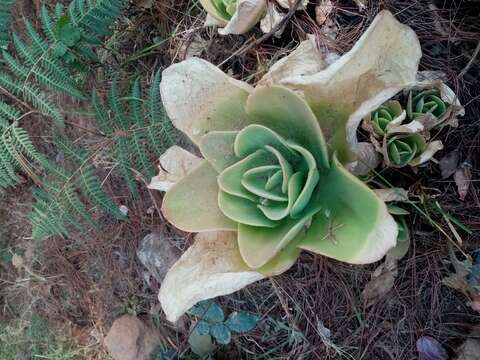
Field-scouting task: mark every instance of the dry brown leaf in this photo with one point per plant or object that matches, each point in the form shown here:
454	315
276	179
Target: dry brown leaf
448	164
382	281
463	178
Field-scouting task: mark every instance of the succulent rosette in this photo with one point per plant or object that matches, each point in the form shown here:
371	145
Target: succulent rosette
379	119
426	102
271	181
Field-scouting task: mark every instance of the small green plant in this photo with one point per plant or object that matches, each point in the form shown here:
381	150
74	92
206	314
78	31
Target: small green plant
406	144
5	20
213	324
52	60
129	134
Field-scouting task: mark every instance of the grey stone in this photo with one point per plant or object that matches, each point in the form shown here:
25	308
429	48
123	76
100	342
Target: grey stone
157	254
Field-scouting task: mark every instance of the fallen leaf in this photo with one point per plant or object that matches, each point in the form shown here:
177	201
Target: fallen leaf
449	163
462	178
18	261
362	4
286	4
322	11
392	194
381	283
430	349
272	19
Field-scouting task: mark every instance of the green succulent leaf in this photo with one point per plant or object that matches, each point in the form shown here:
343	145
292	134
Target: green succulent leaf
191	204
217	148
402	149
384	115
346	227
425	102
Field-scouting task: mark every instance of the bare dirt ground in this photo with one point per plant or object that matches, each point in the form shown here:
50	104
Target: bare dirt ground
80	284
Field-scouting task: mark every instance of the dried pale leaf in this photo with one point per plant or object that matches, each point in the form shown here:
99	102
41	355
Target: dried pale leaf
194	46
367	159
362	4
287	4
272	19
463	178
211	267
330	29
199	97
449	163
305	60
381	283
430	349
18	261
426	155
392	194
175	164
323	11
213	21
248	13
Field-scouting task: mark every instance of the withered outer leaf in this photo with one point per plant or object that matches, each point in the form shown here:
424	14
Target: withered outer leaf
211	267
248	13
175	163
305	60
199	97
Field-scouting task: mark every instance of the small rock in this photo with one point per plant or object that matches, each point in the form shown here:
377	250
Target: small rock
157	255
130	338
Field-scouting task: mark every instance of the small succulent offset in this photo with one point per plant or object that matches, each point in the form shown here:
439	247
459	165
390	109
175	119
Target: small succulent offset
406	144
425	102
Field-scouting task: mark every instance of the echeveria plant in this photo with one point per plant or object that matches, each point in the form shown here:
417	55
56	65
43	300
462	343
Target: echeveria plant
425	102
383	116
272	181
403	149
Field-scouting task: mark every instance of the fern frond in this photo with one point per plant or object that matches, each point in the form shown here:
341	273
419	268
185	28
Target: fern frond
5	20
92	188
120	121
123	155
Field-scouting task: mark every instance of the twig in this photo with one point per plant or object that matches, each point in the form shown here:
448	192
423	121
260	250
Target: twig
474	56
264	37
